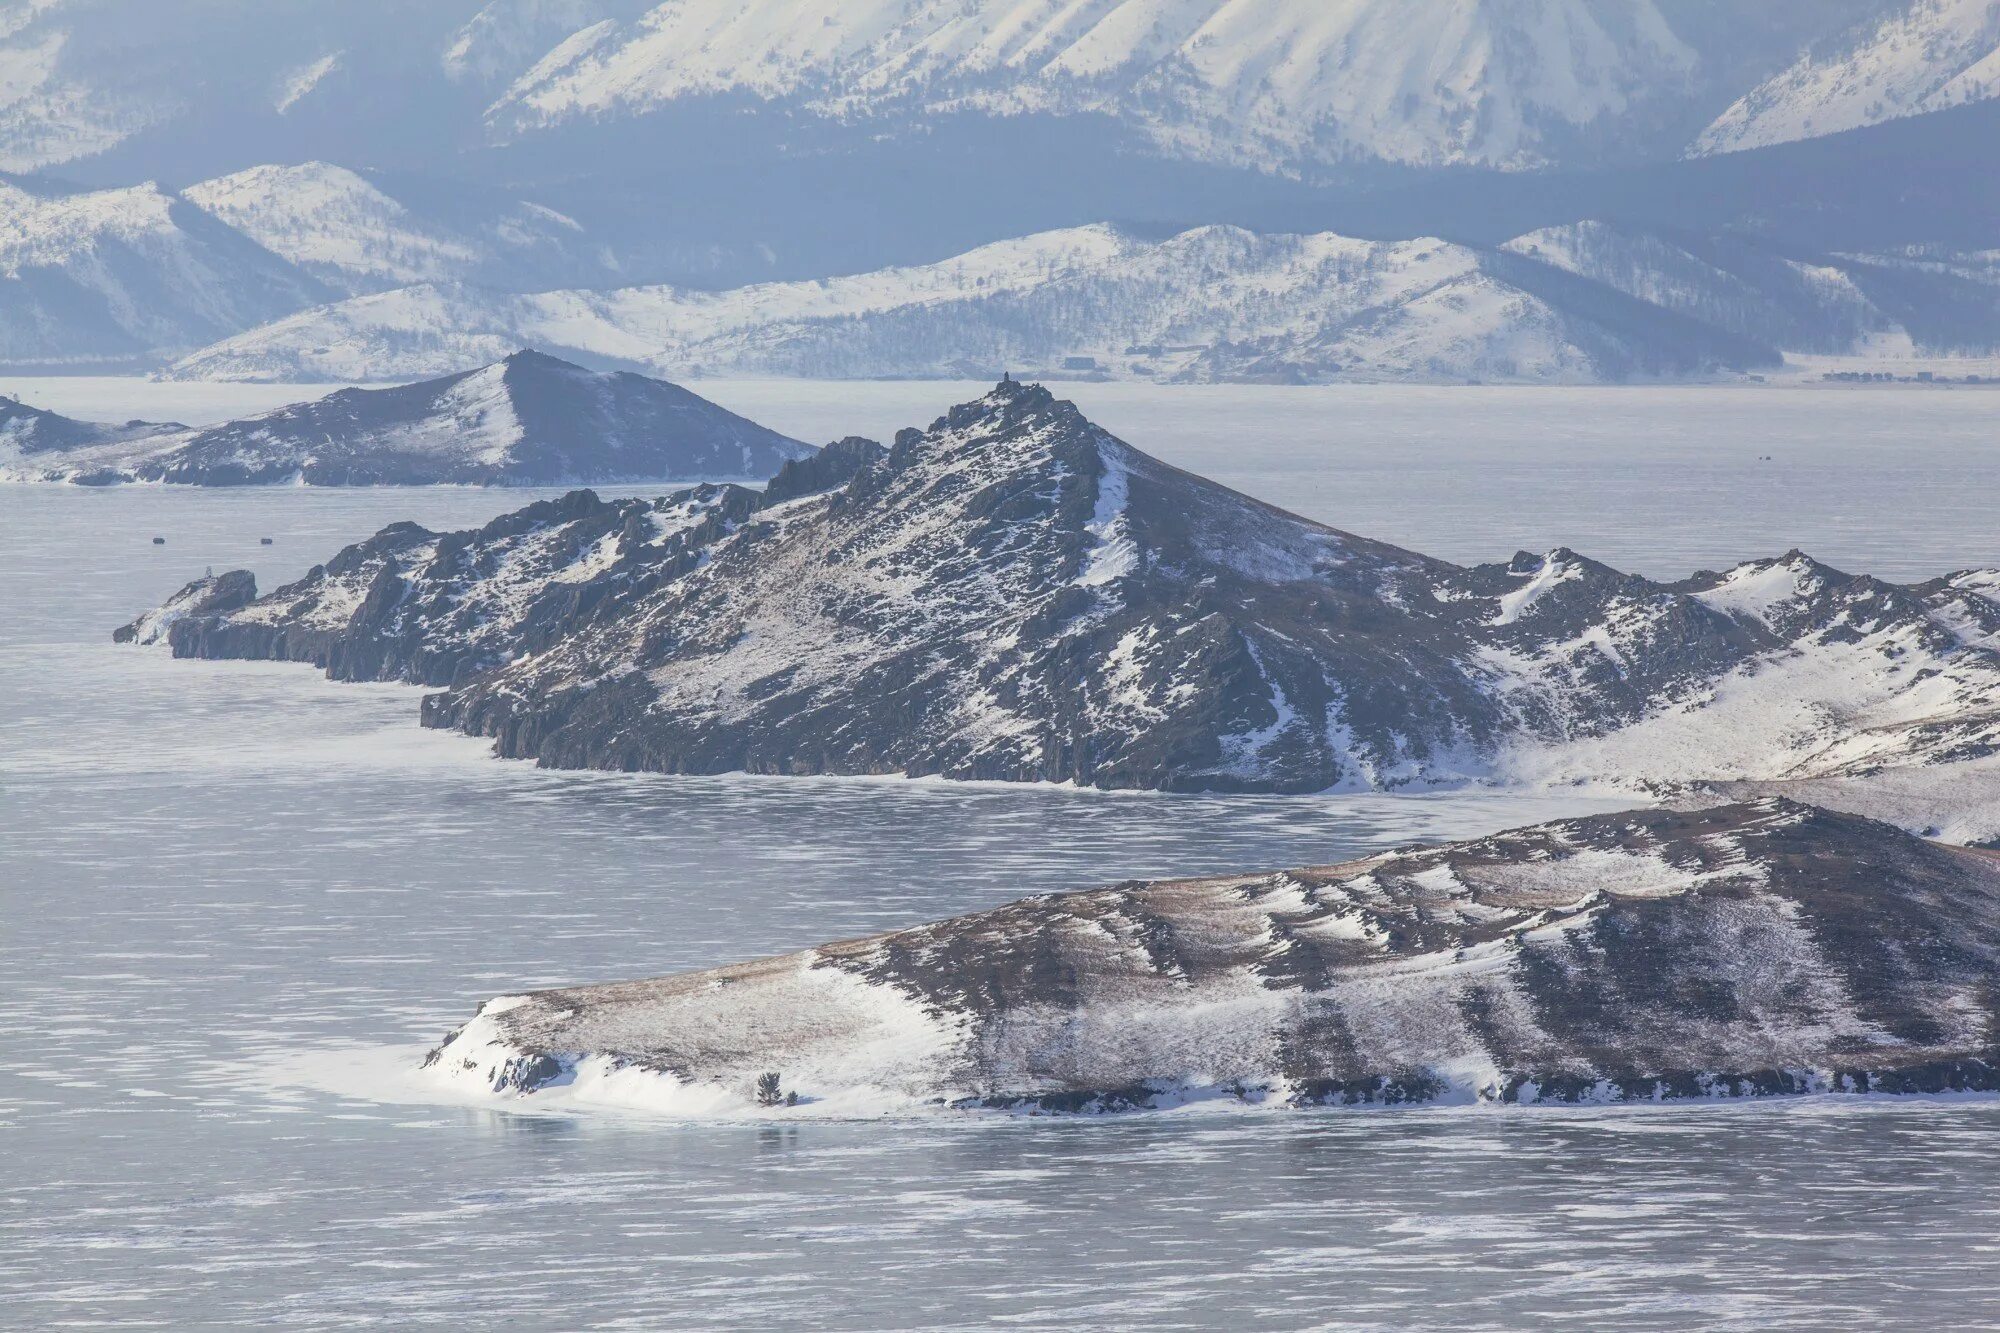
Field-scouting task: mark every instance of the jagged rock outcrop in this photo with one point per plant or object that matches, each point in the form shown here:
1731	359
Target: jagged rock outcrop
1758	948
530	420
1015	594
210	595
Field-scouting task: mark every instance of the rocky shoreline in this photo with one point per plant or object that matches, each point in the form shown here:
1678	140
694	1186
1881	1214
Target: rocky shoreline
1760	949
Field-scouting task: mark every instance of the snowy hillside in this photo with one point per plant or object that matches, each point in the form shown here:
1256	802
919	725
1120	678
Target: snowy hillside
129	276
1420	81
1285	84
345	231
1217	303
1585	303
527	420
1747	950
1927	55
1852	305
136	276
1016	595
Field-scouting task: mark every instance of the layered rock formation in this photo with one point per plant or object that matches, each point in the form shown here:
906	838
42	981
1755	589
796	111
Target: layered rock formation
1759	948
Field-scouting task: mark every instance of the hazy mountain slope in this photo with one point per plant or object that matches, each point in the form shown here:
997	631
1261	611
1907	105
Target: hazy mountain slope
50	114
1731	282
1217	303
1927	55
528	420
1014	594
506	38
133	275
1924	303
345	231
1435	82
1290	85
1756	949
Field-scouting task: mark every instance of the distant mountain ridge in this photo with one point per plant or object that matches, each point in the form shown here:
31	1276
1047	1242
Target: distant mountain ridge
348	232
715	145
1590	303
124	277
528	420
1293	87
471	151
1928	55
1016	595
131	277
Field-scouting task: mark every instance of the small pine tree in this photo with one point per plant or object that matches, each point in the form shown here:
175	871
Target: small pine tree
767	1090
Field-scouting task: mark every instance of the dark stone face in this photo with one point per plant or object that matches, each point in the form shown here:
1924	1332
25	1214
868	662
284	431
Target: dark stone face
1014	594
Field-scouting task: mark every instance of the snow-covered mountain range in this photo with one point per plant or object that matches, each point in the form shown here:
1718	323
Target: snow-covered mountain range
1747	950
1929	55
1588	303
1276	80
464	153
129	276
1015	594
530	420
348	232
1287	84
126	276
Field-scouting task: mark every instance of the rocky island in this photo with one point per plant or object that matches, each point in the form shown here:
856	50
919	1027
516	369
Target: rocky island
1015	594
1752	949
530	420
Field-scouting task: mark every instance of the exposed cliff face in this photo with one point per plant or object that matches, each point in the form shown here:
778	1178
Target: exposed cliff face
1015	594
528	420
1747	949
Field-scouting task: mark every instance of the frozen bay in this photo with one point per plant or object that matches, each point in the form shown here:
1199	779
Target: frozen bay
202	864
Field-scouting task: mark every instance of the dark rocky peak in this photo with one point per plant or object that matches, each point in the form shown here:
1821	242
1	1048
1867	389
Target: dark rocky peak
1795	595
1011	412
835	465
210	595
1016	594
530	362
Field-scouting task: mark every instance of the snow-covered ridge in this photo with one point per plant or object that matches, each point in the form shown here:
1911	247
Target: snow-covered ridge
1587	303
1015	594
1927	55
1855	305
129	276
1286	85
1421	81
1753	949
528	420
141	274
348	232
1214	303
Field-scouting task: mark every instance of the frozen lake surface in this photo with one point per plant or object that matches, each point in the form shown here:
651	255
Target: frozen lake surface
206	865
1893	480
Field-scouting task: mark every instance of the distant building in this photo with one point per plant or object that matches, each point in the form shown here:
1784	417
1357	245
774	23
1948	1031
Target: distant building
1079	363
